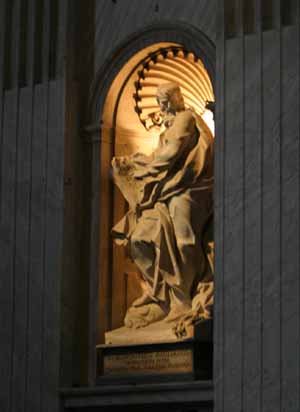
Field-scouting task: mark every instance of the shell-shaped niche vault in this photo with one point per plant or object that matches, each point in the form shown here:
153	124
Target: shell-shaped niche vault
173	64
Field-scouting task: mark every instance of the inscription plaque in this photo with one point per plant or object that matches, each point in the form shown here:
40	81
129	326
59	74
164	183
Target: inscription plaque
159	362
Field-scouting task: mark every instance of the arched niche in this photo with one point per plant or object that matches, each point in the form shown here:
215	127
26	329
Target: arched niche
129	101
104	131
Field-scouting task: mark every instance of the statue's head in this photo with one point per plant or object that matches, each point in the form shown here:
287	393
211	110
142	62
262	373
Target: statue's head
169	98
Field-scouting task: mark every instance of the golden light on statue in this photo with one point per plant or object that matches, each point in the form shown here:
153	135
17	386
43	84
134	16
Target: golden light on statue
208	117
157	246
165	85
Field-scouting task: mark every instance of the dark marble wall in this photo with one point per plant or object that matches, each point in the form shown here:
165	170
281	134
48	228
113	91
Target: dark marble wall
31	214
257	226
116	21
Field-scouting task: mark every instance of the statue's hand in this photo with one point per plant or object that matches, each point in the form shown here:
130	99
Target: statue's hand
140	158
123	165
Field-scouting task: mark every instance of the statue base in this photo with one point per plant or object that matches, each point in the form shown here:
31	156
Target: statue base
157	360
155	333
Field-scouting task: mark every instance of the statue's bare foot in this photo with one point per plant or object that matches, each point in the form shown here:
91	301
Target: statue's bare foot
177	312
143	300
202	305
139	317
183	324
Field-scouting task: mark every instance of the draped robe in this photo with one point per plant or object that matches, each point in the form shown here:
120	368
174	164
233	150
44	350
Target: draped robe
170	199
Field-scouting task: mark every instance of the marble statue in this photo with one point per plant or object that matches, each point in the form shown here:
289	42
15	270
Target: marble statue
168	228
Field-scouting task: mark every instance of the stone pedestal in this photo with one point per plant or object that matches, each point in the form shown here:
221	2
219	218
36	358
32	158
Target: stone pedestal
189	358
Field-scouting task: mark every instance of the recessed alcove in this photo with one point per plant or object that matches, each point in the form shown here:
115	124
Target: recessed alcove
124	131
112	102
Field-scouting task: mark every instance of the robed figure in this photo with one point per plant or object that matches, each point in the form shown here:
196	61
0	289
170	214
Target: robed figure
168	228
